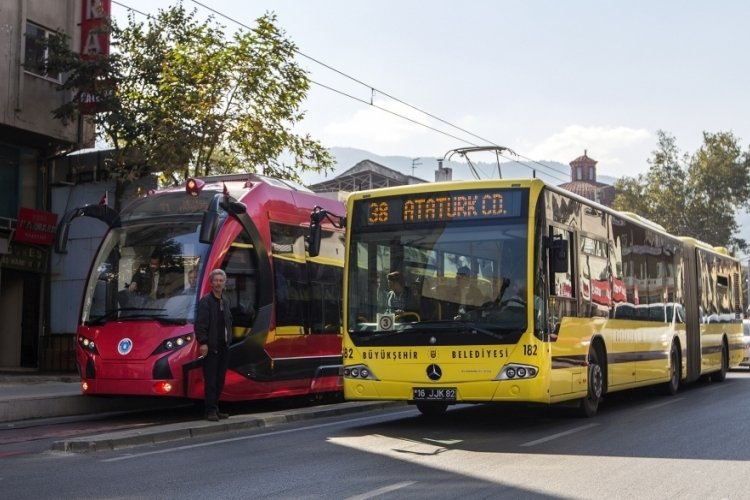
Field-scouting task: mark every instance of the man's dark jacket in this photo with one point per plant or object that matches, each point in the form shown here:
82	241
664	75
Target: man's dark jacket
207	320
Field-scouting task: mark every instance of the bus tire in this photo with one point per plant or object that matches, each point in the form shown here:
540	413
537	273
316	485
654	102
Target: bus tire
721	375
675	371
589	405
431	409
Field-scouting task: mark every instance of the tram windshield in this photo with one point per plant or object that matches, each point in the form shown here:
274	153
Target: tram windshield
146	272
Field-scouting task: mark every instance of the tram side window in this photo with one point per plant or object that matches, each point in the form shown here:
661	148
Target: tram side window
325	298
290	285
241	268
291	292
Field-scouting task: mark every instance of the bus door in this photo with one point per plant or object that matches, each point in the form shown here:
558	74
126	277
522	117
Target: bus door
562	309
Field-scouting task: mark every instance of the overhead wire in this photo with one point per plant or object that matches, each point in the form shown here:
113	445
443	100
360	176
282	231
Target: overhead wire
389	96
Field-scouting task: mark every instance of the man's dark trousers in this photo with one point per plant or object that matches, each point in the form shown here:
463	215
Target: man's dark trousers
214	370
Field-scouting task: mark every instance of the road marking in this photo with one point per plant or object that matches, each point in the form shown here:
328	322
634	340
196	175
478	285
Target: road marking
380	491
559	435
664	403
243	438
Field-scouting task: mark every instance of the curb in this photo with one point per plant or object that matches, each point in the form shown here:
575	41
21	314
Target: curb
67	405
188	430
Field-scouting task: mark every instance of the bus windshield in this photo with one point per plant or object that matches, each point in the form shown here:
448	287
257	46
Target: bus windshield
146	272
438	277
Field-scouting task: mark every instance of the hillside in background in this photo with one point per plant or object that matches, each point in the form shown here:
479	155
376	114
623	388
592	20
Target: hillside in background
424	167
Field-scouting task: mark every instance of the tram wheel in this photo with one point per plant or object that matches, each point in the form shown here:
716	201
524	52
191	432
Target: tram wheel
589	405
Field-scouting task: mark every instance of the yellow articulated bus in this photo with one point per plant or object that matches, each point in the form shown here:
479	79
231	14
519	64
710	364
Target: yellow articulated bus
518	291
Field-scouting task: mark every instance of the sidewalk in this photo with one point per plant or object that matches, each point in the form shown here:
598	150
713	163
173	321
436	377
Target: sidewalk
199	428
32	396
24	397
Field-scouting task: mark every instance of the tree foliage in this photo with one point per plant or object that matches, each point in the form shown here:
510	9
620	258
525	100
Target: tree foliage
694	195
180	97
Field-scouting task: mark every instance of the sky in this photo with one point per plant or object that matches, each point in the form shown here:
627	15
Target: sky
547	79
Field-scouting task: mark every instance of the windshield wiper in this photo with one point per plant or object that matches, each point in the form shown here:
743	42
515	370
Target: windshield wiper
135	313
100	320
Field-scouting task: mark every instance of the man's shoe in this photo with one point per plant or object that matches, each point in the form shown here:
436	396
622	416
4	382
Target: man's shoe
212	417
223	416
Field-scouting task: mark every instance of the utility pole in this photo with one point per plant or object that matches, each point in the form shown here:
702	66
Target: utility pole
414	163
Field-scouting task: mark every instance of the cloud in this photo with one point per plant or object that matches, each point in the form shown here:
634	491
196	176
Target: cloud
377	130
620	151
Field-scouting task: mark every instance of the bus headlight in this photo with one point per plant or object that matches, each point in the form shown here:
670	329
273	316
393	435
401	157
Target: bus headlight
360	372
515	371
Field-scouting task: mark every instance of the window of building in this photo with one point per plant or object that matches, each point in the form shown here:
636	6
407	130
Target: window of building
9	182
37	54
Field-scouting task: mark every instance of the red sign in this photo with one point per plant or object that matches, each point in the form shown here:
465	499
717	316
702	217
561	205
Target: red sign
94	27
94	43
35	226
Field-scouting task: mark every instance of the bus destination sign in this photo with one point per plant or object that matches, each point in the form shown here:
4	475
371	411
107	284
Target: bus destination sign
421	208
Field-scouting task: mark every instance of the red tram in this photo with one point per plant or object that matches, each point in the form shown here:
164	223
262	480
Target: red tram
135	335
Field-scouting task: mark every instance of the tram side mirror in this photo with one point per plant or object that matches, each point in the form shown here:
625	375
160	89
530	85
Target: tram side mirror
559	255
233	207
209	227
61	238
313	240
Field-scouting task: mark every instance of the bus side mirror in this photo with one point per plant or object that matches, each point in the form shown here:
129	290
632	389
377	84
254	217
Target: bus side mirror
559	255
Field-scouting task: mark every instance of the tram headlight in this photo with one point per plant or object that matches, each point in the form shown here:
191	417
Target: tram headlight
174	343
359	372
516	371
87	344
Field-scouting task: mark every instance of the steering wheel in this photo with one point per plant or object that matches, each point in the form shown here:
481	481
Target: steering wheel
408	314
509	302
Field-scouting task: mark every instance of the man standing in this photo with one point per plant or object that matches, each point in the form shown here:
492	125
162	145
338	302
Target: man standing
213	327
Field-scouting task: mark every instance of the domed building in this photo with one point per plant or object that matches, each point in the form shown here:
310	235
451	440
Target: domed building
583	181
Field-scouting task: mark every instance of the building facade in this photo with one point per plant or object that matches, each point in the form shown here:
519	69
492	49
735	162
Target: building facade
583	181
30	140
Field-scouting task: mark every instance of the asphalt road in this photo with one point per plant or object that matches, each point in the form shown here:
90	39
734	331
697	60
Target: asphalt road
695	445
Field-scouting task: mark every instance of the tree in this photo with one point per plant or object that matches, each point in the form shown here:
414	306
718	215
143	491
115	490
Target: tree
696	195
177	96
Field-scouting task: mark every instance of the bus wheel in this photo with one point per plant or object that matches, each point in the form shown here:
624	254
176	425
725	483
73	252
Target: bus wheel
432	409
721	375
673	385
590	404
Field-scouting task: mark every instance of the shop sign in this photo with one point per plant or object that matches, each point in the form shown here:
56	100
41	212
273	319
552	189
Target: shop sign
25	258
35	226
